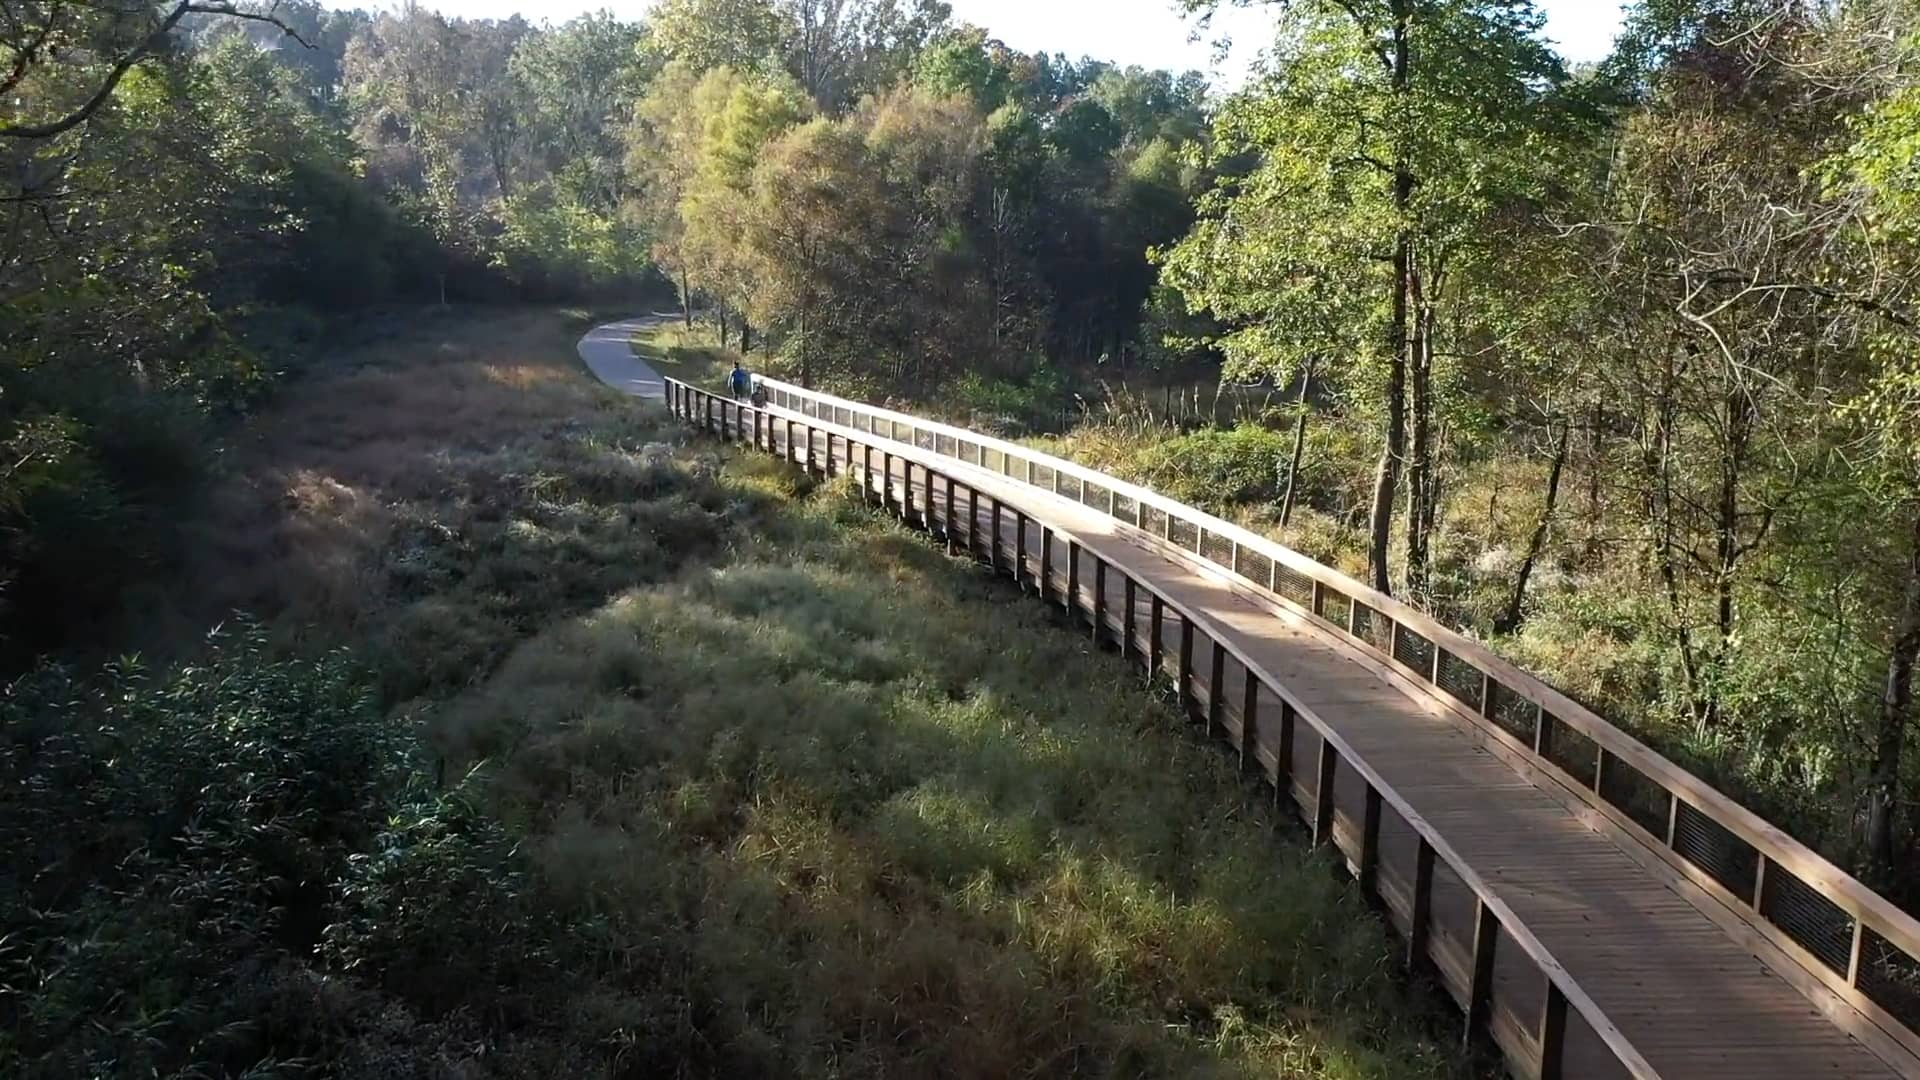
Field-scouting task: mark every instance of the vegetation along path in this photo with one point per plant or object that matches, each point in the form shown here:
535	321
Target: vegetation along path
1533	900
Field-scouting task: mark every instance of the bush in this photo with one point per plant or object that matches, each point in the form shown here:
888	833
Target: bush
1216	468
173	839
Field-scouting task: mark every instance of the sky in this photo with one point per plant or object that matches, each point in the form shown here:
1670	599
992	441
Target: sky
1144	32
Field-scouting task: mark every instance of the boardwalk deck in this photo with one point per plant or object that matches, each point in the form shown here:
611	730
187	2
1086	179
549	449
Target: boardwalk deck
1650	950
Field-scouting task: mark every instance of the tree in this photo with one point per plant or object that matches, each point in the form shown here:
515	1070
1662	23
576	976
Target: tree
1412	120
842	49
714	199
61	95
577	85
745	35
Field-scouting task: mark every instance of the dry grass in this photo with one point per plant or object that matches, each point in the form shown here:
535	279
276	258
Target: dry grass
786	791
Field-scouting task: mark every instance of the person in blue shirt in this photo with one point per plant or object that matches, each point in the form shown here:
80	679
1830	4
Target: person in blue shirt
742	382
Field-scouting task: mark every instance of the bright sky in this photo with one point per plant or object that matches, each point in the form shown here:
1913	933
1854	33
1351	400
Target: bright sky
1144	32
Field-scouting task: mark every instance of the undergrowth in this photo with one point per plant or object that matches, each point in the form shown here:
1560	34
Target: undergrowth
564	746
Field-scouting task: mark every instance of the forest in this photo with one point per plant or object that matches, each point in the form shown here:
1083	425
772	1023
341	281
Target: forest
306	540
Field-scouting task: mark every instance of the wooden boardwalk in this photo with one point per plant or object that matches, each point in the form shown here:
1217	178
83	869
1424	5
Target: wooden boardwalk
1579	947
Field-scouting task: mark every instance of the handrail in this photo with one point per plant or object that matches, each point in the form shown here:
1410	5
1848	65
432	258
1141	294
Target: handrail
1871	961
1562	983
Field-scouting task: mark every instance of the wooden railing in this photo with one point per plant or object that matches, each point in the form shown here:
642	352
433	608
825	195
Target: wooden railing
1069	571
1840	935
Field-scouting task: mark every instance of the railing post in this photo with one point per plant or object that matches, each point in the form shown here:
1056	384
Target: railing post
787	450
973	521
1099	598
709	416
1323	793
1853	951
886	480
1420	919
1370	842
993	537
1486	930
1020	548
812	465
1130	597
1046	563
1186	666
1249	723
1073	578
759	418
1217	692
1155	616
1553	1033
947	514
906	490
1283	756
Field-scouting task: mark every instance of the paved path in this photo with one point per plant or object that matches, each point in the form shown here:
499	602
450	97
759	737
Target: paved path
608	353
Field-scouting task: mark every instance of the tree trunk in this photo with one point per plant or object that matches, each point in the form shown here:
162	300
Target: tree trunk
724	328
1387	479
1510	621
1420	460
1299	447
746	335
686	299
1896	703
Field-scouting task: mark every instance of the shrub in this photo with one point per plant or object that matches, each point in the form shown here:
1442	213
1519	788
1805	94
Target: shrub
172	838
1215	468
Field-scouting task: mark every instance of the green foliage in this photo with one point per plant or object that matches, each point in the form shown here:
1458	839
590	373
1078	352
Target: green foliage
1216	468
745	35
175	838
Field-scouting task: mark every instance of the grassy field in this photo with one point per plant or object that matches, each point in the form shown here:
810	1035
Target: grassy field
565	746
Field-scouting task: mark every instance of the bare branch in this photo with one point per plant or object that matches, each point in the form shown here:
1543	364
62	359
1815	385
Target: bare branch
134	56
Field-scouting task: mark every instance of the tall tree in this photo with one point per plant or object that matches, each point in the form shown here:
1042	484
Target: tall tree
1413	112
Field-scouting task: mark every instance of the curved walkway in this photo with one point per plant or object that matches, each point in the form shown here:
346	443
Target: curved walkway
608	353
1533	900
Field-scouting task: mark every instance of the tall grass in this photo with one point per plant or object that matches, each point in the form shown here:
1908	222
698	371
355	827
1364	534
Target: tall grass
627	756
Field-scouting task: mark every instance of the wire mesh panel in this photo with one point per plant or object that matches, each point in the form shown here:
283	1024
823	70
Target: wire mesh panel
1184	533
1461	680
1335	606
1413	651
1635	794
1125	507
1372	627
1217	549
1710	846
1514	714
1095	496
1256	567
925	440
1042	476
1293	585
1890	977
993	460
1572	751
1153	521
1071	486
1814	921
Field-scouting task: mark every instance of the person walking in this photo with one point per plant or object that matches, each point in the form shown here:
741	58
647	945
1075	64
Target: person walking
742	382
